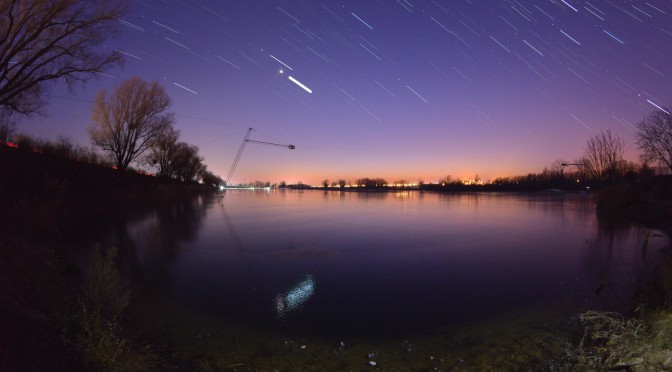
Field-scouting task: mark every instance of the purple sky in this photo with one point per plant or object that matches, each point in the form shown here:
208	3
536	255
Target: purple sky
400	88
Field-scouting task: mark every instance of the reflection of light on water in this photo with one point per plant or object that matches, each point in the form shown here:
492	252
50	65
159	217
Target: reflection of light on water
292	300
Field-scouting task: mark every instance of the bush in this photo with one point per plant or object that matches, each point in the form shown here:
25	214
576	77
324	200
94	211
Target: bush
615	200
98	333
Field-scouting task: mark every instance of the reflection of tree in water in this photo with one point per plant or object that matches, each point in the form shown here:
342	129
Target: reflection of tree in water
619	254
176	223
149	246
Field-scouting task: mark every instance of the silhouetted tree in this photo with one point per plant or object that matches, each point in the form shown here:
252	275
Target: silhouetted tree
45	40
370	182
211	179
187	165
325	183
341	183
261	184
603	157
655	137
447	180
162	154
131	120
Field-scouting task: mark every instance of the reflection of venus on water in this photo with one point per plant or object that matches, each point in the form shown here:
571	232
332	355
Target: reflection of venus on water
292	300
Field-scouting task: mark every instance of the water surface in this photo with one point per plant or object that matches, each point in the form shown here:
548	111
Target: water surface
341	265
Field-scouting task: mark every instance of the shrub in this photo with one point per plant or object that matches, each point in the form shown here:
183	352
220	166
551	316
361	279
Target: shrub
98	335
614	200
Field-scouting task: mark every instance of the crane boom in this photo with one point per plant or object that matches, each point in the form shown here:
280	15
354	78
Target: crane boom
242	148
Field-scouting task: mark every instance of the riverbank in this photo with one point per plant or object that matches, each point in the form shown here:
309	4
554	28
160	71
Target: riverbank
44	328
46	199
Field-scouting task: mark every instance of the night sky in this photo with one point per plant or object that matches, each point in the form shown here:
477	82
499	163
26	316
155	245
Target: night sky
394	88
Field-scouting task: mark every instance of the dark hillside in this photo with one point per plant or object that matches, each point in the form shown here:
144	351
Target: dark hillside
36	189
41	198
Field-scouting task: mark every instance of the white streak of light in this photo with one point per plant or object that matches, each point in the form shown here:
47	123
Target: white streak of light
594	7
500	44
546	14
288	15
385	89
440	7
595	14
405	7
469	28
129	24
659	108
176	43
126	53
299	84
533	48
361	20
371	113
417	94
213	12
283	63
166	27
614	37
653	69
369	50
623	123
463	75
570	38
582	123
228	62
569	5
577	75
106	75
185	88
641	11
656	8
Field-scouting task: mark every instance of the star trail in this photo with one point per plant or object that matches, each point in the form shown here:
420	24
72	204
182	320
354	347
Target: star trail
395	89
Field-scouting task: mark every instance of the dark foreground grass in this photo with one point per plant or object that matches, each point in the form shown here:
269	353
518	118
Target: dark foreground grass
45	311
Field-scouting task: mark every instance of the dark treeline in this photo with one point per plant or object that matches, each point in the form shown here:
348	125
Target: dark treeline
180	163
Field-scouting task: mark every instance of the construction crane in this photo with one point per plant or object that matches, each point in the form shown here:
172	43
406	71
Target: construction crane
242	147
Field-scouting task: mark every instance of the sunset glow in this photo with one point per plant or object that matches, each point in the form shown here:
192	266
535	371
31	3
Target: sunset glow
386	89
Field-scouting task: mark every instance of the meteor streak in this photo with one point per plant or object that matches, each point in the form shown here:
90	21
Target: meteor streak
299	84
658	107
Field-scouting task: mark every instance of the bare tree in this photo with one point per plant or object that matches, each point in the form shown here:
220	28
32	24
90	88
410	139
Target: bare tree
603	157
655	137
162	154
131	120
45	40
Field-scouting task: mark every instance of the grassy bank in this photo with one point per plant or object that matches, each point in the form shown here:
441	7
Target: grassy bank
45	199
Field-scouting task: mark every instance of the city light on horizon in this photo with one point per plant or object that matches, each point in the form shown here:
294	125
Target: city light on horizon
455	89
